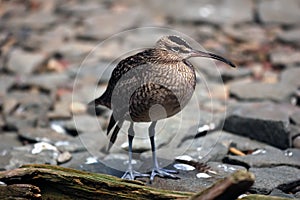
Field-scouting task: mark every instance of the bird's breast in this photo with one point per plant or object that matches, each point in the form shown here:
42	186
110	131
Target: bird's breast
145	89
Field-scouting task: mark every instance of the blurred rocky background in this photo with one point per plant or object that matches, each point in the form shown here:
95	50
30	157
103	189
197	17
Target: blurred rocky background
47	75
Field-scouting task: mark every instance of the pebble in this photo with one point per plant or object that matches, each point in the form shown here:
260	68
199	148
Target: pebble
64	157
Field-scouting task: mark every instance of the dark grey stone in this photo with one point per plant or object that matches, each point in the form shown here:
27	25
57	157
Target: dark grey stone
264	121
267	157
277	11
281	177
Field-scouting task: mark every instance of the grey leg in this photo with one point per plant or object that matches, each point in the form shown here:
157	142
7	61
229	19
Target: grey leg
156	169
130	173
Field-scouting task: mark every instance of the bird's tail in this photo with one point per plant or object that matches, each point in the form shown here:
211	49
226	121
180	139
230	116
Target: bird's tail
112	123
100	101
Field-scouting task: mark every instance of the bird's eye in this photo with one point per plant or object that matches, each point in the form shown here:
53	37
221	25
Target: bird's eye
175	49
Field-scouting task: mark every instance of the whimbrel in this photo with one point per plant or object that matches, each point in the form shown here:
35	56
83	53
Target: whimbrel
151	85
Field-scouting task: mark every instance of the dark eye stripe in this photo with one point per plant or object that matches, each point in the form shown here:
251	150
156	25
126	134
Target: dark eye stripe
179	41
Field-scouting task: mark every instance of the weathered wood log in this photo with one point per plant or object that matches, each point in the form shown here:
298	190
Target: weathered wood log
262	197
228	188
56	182
20	192
63	183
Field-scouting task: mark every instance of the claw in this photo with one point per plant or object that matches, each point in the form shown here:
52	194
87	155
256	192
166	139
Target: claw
166	173
131	175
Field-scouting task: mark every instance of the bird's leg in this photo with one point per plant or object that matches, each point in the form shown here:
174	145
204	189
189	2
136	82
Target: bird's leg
157	171
130	173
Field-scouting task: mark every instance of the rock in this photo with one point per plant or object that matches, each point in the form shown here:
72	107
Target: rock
276	11
42	135
217	12
263	121
281	177
22	62
295	117
278	92
6	82
61	111
296	142
285	57
267	156
8	140
247	33
229	74
64	157
22	156
35	21
290	76
78	108
83	123
48	81
93	25
278	193
290	36
92	142
9	105
77	10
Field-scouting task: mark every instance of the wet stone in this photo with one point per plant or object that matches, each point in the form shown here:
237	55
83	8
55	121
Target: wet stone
281	177
22	62
279	92
267	156
263	121
277	11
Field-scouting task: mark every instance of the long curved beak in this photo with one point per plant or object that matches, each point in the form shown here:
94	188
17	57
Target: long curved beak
197	53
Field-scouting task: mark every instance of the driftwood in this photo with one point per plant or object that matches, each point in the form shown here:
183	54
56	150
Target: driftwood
54	182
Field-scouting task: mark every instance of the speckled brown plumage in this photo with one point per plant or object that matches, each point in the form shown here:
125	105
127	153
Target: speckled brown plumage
157	76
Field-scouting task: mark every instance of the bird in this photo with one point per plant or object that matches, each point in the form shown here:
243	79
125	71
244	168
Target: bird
148	86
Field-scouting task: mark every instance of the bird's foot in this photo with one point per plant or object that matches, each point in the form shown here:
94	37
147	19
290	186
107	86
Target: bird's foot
161	172
131	175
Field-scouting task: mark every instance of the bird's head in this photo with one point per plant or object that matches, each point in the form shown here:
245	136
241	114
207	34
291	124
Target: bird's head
178	47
